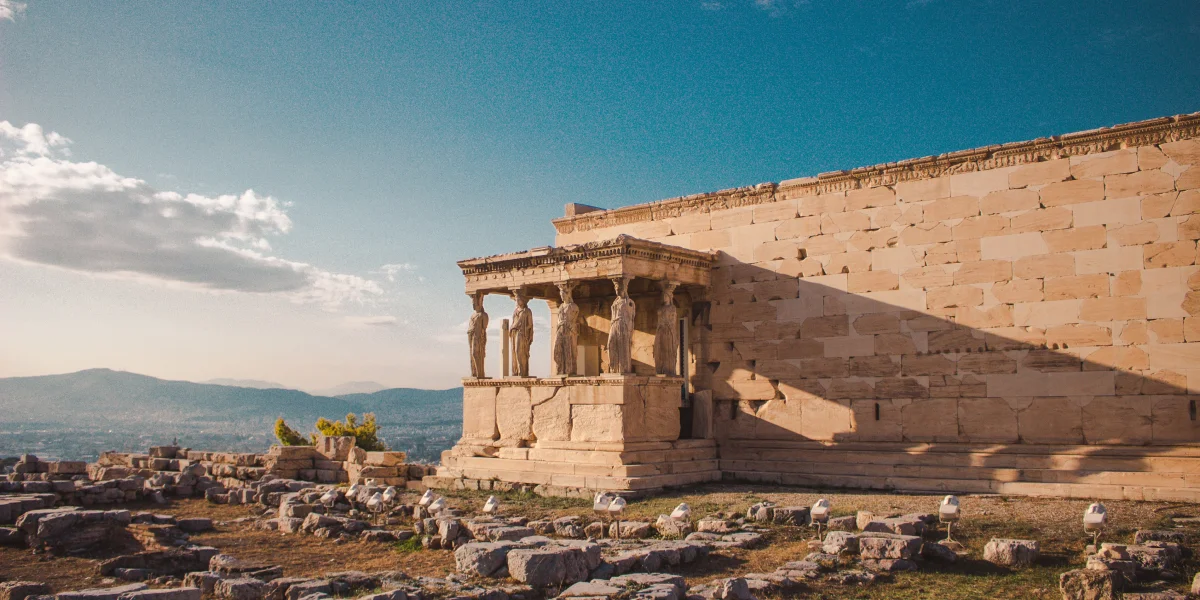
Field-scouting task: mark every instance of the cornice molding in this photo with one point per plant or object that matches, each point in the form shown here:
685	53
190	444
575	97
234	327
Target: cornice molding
605	380
1142	133
622	245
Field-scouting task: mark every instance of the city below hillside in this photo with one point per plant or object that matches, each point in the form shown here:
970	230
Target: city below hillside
75	416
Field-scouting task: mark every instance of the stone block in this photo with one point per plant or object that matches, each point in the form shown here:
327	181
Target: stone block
1072	192
1138	184
1088	584
876	546
514	414
1011	553
1007	201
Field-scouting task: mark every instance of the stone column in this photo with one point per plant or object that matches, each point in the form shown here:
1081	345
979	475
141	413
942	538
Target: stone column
477	336
666	334
566	332
522	334
620	330
504	347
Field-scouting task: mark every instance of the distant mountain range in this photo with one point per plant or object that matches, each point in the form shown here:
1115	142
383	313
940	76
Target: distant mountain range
248	383
350	387
116	402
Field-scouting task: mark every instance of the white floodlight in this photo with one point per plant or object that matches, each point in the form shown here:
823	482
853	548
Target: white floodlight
616	508
683	512
819	514
1095	519
390	494
437	506
491	506
329	498
426	498
948	513
352	491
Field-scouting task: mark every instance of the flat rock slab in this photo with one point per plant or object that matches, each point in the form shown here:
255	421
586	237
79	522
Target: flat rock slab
876	546
1011	553
101	593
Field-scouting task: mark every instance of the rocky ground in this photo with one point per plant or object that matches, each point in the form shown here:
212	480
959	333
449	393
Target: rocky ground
239	531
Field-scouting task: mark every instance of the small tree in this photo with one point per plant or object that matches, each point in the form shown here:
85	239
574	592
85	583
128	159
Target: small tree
366	435
288	436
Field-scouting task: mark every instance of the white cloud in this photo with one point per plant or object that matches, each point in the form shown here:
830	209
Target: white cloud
84	217
375	321
392	270
11	9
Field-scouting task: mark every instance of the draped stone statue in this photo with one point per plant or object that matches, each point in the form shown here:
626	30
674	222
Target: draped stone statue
521	334
666	335
477	336
566	332
620	331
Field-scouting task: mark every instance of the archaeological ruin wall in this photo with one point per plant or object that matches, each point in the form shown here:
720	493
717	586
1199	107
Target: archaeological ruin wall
1021	318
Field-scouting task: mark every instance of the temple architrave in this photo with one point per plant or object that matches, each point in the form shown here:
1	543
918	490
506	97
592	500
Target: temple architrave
1020	319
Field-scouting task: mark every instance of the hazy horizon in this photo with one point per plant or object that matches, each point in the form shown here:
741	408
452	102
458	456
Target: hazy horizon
195	191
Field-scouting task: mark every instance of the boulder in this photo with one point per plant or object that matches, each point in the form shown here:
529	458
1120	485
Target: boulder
195	524
939	552
498	534
842	524
734	588
308	588
714	525
101	593
837	542
1156	556
242	588
1157	535
630	530
183	593
883	546
1011	553
672	528
567	527
1088	584
206	581
547	566
790	515
889	564
19	590
482	558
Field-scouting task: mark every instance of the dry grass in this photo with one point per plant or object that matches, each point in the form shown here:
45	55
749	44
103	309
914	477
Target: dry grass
1054	522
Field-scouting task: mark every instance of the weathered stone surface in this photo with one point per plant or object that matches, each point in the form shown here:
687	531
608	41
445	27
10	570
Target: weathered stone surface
888	546
112	593
1087	584
837	542
482	558
548	566
19	590
1011	553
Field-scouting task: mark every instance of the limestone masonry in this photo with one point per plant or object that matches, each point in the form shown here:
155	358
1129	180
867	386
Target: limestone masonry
1021	318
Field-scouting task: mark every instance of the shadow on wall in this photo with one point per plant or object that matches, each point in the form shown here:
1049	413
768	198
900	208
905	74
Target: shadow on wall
832	360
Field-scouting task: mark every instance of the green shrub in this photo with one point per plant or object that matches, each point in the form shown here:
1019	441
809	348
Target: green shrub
288	436
366	434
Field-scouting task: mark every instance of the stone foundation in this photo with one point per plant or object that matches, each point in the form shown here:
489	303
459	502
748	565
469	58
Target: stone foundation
567	435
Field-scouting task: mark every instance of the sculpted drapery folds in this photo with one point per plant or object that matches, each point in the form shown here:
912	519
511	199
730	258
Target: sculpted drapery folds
566	333
521	334
666	335
477	336
620	332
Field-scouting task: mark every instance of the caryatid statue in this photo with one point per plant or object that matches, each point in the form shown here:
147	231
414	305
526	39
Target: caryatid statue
620	331
477	335
521	334
666	335
566	332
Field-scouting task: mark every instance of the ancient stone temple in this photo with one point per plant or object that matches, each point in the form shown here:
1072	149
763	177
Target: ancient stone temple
1021	318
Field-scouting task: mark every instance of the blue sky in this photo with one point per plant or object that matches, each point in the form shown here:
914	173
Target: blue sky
415	134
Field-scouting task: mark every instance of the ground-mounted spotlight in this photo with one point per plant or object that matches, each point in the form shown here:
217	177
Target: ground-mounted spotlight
948	513
1095	519
819	514
491	506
